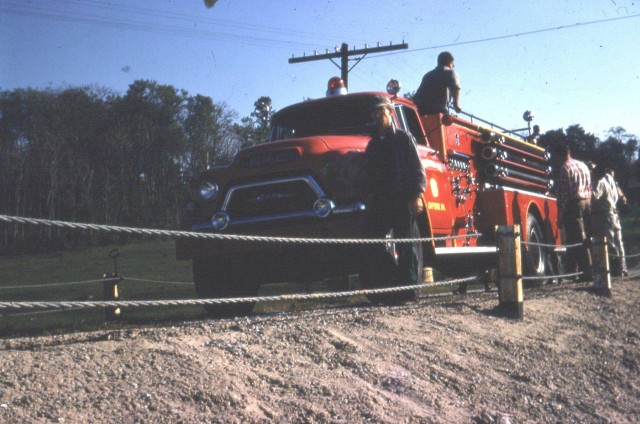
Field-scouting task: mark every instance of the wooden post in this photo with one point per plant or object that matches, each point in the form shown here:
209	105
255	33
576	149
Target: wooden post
510	268
601	271
427	278
428	275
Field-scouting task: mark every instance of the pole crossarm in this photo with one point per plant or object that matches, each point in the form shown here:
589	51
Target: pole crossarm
344	53
353	52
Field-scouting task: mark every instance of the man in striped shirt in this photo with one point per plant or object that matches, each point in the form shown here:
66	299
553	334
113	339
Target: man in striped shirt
574	208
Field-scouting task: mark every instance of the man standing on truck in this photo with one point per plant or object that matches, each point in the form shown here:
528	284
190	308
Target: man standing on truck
438	87
574	208
395	182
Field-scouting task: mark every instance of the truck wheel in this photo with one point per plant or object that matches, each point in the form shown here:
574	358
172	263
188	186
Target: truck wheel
215	279
536	260
386	271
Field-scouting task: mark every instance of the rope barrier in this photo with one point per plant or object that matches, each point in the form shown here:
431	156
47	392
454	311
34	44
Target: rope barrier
202	302
568	246
550	277
184	283
217	236
75	305
69	305
635	255
102	280
144	280
70	283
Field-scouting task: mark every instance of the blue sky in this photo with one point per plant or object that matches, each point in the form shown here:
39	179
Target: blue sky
570	62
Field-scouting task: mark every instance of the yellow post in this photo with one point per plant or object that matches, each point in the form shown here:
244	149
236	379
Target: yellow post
510	269
428	275
601	271
427	278
110	291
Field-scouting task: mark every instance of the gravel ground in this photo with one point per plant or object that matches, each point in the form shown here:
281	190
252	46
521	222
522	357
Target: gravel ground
573	358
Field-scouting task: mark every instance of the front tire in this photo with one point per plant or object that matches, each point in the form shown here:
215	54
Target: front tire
536	259
215	278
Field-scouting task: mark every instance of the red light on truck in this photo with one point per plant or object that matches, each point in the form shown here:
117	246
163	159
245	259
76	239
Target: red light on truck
336	87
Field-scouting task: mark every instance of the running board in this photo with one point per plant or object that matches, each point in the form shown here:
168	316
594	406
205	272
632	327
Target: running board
478	250
465	250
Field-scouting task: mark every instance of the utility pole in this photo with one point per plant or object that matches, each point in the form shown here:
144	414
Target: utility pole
344	54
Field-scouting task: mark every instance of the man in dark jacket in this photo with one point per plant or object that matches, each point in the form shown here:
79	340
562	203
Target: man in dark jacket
395	182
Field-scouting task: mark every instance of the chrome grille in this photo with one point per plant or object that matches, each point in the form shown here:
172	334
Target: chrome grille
266	198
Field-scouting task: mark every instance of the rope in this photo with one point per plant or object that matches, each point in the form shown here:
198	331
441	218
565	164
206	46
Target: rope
75	305
568	246
550	277
70	283
635	255
143	280
202	302
235	237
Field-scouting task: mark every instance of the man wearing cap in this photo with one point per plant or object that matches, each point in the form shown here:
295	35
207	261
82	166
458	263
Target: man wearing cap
395	181
438	86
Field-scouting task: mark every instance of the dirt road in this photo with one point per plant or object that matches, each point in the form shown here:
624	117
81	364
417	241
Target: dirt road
573	358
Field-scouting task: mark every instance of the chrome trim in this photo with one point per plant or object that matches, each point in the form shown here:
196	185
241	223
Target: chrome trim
307	213
342	209
529	193
306	178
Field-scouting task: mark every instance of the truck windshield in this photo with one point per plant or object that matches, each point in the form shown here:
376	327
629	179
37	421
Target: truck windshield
340	115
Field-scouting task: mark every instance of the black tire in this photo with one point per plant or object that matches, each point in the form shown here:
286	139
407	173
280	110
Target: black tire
215	279
385	272
536	258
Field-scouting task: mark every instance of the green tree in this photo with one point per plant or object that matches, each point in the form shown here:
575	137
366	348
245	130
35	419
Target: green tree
618	152
258	126
153	116
581	143
211	135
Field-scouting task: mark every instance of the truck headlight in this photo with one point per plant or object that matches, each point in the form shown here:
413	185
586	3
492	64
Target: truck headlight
322	208
220	221
208	191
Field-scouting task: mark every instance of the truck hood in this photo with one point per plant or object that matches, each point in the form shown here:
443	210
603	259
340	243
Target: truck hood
300	153
314	144
295	149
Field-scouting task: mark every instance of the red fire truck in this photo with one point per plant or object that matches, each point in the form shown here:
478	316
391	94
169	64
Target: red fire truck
305	183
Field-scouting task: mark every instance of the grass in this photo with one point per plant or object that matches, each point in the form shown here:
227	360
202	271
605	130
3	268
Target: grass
631	233
152	260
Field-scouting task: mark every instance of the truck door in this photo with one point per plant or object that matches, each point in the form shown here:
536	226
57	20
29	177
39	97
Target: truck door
438	200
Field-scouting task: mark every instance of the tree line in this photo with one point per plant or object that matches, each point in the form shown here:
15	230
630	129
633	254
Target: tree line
619	151
88	154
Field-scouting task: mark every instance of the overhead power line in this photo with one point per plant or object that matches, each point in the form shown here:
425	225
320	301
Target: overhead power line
519	34
237	32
